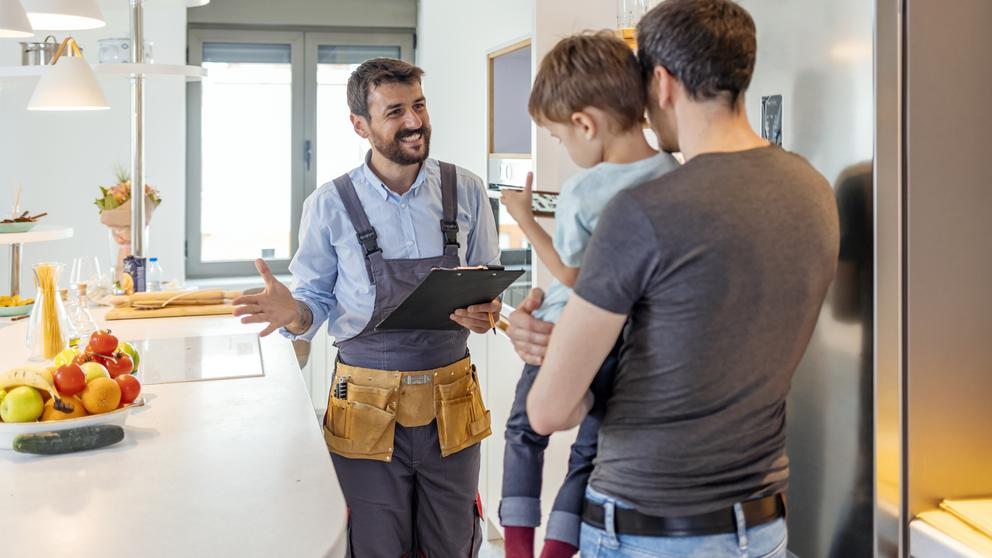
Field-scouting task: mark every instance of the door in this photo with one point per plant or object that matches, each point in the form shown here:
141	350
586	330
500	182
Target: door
265	128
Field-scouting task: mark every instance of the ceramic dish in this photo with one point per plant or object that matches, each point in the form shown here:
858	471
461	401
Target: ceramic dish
12	311
10	430
17	227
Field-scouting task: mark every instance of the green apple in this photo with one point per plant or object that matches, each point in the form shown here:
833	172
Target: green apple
3	393
94	370
22	404
132	352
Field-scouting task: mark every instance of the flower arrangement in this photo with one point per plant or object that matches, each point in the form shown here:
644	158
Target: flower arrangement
115	212
117	195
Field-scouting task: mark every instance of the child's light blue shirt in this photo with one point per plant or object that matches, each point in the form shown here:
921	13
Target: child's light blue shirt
582	200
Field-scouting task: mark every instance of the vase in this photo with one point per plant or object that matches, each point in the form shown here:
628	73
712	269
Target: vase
49	328
118	221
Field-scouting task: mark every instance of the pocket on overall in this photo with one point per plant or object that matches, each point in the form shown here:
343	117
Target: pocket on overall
462	418
363	426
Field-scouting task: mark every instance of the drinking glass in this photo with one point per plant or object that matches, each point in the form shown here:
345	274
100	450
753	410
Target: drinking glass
629	12
87	271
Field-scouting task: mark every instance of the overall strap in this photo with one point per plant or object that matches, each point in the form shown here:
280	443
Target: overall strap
359	219
449	204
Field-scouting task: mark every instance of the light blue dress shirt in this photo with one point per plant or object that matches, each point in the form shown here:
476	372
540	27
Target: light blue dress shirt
583	199
329	267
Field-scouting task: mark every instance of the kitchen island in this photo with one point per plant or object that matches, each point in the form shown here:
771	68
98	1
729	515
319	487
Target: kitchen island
222	467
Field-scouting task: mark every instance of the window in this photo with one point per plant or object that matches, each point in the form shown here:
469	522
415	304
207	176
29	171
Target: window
267	126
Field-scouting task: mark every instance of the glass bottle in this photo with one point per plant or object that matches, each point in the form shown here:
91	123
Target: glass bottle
49	328
79	314
629	12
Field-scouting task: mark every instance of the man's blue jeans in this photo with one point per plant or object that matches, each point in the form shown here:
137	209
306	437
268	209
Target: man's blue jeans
767	540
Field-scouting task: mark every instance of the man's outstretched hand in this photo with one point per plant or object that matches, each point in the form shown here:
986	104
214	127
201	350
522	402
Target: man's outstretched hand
275	305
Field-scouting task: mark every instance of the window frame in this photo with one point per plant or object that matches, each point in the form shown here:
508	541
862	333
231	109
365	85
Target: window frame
304	44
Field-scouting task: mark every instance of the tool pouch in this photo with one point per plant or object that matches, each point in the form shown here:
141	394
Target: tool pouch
462	418
363	425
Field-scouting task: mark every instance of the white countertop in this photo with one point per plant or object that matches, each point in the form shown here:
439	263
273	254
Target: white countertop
216	468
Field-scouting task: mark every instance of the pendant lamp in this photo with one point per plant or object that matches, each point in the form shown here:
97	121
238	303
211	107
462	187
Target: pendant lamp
64	15
69	84
14	21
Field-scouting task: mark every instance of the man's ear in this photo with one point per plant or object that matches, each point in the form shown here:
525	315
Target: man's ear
664	85
361	126
585	123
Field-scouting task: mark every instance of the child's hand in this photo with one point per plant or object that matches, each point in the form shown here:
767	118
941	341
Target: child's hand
519	203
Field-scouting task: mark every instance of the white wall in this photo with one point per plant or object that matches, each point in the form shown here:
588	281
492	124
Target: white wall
454	38
358	13
61	158
554	20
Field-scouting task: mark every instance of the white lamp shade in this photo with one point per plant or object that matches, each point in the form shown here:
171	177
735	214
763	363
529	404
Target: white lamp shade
70	84
64	15
14	21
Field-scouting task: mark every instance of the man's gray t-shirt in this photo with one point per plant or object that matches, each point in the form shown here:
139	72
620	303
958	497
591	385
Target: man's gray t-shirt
722	266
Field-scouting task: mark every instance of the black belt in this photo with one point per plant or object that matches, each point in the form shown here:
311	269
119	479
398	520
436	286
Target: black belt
633	522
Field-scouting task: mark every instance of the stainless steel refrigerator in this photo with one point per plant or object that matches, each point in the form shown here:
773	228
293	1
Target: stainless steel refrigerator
889	411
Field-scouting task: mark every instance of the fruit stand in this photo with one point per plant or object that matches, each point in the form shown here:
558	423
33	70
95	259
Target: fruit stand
220	467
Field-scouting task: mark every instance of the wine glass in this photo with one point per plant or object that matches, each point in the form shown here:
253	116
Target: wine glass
86	271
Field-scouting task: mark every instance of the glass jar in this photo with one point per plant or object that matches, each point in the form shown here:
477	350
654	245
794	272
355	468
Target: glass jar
629	12
79	314
49	328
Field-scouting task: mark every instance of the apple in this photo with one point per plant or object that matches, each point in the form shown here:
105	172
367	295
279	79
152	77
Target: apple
22	404
132	352
94	370
3	393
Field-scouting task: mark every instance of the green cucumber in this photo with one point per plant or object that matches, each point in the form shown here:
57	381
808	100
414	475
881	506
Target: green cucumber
81	438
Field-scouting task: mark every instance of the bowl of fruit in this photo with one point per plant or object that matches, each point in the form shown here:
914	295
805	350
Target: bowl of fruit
79	403
11	306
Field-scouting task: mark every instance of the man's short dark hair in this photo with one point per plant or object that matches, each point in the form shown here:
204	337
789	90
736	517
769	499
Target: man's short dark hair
708	45
373	73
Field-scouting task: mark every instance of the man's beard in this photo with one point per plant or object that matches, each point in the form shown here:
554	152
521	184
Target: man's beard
393	149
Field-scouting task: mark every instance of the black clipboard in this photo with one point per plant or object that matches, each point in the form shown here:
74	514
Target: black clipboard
442	292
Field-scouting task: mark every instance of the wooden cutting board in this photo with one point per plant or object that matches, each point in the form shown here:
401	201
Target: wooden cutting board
128	313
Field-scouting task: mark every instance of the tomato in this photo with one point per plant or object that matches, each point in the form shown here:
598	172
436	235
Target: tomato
102	342
82	358
119	364
69	379
130	387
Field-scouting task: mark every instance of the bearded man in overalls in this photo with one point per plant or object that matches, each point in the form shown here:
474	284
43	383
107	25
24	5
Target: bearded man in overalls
405	424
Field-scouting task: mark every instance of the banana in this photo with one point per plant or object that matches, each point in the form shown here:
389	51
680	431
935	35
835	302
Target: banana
37	377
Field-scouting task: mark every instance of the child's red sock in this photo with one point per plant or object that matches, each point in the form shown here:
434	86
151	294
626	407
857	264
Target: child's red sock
557	549
518	542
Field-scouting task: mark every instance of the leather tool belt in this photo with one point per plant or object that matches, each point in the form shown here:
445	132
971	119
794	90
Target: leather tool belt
363	424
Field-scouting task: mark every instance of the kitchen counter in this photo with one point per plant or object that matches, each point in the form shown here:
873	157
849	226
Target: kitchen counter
231	467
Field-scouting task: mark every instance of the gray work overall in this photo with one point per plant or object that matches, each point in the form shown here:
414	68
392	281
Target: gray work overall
410	484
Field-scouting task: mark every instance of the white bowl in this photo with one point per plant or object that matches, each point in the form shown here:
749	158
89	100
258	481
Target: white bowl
10	430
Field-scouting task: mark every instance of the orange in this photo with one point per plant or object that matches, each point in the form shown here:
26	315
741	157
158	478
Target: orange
101	395
78	410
